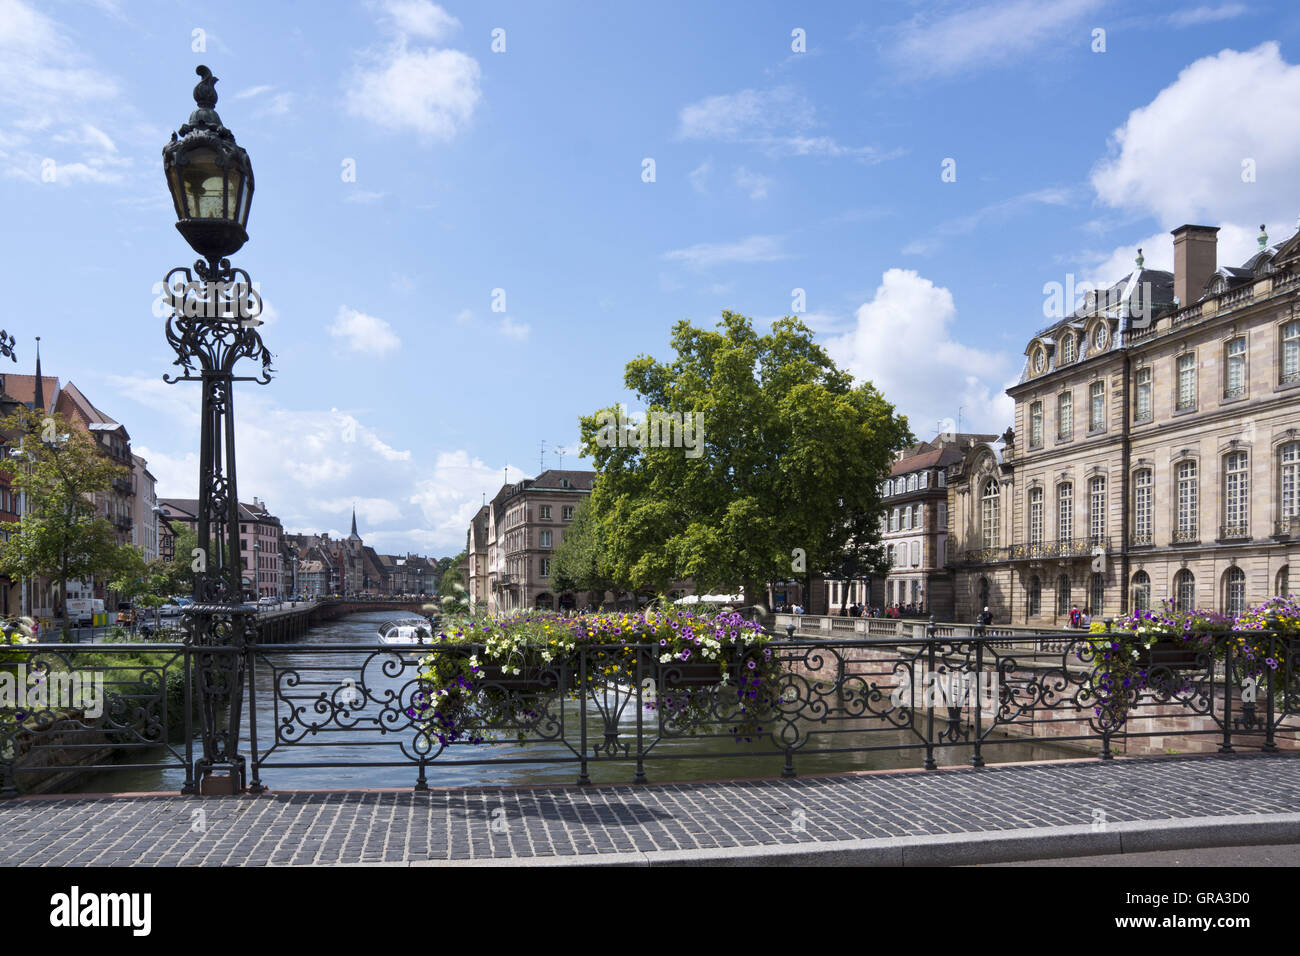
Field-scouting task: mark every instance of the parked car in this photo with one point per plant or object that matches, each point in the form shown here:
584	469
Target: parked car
266	601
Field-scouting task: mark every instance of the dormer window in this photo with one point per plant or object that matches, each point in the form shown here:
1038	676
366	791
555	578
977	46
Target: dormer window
1101	336
1040	361
1067	348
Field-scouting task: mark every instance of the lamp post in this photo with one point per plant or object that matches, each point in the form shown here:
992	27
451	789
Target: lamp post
212	326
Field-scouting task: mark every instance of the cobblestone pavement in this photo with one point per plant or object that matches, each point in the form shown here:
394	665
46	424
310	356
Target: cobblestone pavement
297	828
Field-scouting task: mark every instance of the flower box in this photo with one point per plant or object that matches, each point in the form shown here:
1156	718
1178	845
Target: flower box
1175	655
528	680
690	674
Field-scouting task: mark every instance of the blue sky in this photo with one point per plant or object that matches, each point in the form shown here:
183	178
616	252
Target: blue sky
400	388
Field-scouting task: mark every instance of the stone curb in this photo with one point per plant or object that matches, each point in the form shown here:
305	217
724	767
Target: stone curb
957	849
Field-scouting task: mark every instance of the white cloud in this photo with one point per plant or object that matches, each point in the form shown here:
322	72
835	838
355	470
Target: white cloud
310	465
49	95
1206	14
776	120
511	329
753	183
1180	157
903	342
995	212
988	34
706	255
699	176
420	18
364	333
432	92
253	91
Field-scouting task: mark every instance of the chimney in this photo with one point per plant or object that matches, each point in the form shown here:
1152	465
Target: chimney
1195	259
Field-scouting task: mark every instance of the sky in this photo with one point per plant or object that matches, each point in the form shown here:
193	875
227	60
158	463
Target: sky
469	217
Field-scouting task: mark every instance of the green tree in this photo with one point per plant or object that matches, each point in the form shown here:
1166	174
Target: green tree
787	470
451	587
60	471
577	565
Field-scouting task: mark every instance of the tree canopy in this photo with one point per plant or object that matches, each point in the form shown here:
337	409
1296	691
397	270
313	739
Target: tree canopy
793	456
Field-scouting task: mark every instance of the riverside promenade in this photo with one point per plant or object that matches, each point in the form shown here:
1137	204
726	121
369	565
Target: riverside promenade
953	816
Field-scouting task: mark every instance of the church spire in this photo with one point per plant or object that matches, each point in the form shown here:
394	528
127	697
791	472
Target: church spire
354	536
39	399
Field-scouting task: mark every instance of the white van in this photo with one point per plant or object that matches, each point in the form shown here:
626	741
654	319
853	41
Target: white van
82	611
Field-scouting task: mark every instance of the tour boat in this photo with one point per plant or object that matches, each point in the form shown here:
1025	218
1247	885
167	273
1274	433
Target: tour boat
406	631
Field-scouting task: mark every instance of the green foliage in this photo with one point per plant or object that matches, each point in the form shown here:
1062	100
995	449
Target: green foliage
794	455
577	565
60	470
451	587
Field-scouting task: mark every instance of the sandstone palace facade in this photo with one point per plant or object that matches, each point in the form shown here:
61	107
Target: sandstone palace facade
1155	453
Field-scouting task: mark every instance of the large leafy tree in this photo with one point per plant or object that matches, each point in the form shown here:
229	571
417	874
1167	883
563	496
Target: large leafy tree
793	455
579	563
60	471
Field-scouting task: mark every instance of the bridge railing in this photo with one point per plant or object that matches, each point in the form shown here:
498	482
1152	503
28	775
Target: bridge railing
348	706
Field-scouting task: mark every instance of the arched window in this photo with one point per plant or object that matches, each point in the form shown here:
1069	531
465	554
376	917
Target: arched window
1035	603
1289	472
1236	496
1097	594
1063	594
1067	348
1234	592
1185	591
1035	515
984	593
989	515
1141	591
1283	581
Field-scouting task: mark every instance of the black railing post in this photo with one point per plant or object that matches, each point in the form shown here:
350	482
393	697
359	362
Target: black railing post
977	759
1106	752
1226	746
1276	645
256	785
188	787
583	776
928	691
641	653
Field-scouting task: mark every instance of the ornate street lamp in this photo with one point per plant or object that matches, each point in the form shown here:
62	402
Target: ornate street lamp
212	326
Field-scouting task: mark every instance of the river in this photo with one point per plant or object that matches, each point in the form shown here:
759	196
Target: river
719	758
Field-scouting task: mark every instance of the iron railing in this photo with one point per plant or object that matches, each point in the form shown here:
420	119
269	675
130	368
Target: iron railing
348	706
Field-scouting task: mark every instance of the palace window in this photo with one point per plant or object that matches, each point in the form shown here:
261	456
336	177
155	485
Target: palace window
1142	406
1236	492
1097	508
1034	605
1063	594
1065	512
1096	593
1141	591
1064	416
1142	507
1235	357
989	515
1035	515
1096	406
1188	502
545	570
1067	348
1289	458
545	539
543	512
1186	382
1234	592
1291	352
1184	590
1036	425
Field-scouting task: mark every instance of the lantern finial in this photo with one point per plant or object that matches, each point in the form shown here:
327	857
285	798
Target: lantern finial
205	93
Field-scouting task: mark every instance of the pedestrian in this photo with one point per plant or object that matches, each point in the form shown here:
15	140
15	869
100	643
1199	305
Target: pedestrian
1074	615
1085	619
986	617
